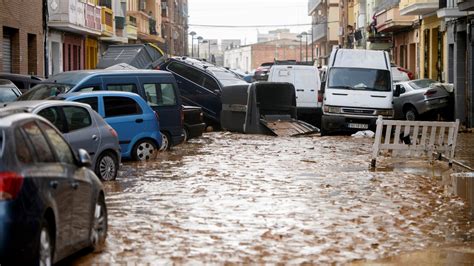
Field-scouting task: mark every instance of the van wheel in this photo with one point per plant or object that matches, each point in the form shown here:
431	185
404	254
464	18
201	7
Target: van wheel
411	114
45	245
107	166
144	150
99	225
165	141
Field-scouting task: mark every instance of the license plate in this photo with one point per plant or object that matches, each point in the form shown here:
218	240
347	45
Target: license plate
358	126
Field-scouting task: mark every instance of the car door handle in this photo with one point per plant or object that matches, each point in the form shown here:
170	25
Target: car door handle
53	184
139	120
74	185
299	90
95	137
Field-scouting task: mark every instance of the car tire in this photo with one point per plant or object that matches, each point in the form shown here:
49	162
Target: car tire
45	244
411	114
186	134
107	166
144	150
98	232
165	141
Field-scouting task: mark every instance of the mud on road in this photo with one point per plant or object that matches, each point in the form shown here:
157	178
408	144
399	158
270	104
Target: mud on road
258	199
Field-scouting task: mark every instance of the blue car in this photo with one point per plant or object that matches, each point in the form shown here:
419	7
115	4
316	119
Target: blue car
137	125
51	204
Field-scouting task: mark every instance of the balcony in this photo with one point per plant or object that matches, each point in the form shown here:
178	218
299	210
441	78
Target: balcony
312	5
418	7
390	20
449	9
75	16
465	5
144	31
107	22
320	30
132	31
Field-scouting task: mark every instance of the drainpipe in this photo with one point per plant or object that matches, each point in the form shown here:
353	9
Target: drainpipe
45	32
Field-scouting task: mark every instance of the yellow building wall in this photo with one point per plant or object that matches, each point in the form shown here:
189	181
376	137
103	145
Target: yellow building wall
333	25
92	49
429	45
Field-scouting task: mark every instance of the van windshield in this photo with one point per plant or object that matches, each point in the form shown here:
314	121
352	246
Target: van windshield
359	79
44	91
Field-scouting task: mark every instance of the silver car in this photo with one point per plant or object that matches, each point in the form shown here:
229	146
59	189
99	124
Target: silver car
419	97
84	129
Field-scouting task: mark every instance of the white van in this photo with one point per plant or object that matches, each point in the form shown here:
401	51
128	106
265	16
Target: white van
358	89
305	79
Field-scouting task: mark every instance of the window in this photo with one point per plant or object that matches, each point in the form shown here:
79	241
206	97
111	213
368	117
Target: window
186	72
90	88
160	94
118	106
8	95
210	84
63	152
122	87
23	153
77	117
52	115
359	79
92	101
42	149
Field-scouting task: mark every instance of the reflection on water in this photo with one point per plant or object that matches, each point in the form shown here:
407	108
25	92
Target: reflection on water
260	199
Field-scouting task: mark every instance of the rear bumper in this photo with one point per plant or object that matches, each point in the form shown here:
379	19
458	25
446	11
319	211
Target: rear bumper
433	104
195	130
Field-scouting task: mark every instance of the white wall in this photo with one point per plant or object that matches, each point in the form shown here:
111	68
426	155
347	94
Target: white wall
239	58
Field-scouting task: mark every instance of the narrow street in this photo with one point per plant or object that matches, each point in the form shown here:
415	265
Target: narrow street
232	198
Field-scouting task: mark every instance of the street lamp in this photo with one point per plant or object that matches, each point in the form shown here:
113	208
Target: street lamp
192	33
199	41
299	36
209	53
304	33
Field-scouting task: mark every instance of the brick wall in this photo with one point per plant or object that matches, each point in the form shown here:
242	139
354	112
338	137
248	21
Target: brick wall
21	19
262	53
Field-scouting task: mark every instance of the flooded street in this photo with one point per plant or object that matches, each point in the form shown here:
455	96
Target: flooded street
232	198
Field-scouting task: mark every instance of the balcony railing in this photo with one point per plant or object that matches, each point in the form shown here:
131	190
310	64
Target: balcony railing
142	21
418	7
132	27
75	16
312	5
93	17
107	21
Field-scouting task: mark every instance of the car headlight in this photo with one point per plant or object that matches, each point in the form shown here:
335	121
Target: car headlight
384	112
332	109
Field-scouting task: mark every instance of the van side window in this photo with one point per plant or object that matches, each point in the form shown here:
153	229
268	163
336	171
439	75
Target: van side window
160	94
186	72
92	101
122	87
89	88
119	106
210	84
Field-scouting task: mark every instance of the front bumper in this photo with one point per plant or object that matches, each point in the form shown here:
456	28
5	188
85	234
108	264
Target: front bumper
339	123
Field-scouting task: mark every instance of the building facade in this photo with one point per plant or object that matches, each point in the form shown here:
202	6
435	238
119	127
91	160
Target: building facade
175	25
22	33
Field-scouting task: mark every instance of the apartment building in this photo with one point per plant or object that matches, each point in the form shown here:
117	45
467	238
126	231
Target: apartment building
175	26
22	35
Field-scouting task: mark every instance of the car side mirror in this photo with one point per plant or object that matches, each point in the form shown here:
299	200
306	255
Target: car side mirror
84	158
396	92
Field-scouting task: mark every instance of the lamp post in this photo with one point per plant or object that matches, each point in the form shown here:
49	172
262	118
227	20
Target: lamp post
192	33
304	33
199	41
209	52
299	36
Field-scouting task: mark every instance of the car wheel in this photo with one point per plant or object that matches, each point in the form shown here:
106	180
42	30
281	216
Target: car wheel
46	245
411	114
144	150
107	166
99	225
186	134
165	141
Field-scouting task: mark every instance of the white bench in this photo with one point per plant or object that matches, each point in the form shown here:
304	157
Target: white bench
423	136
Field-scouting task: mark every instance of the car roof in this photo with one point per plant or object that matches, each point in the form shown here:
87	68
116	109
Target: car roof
30	105
99	93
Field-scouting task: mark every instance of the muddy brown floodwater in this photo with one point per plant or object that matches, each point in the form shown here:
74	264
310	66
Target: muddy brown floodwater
233	198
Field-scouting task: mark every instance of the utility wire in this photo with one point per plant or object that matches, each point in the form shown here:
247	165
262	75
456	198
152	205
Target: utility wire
260	26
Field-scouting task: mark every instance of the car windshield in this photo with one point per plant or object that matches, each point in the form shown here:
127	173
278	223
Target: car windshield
226	77
359	79
421	83
8	95
44	91
72	77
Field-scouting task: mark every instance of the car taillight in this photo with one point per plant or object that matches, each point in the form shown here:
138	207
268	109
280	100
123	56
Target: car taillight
409	73
112	131
10	185
320	97
430	92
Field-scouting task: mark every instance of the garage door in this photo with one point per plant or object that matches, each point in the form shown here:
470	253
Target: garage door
7	54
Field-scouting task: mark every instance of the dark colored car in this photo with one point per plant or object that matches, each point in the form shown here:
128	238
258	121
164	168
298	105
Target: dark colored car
193	122
8	91
200	84
261	73
22	82
157	88
51	204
